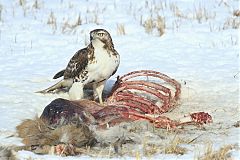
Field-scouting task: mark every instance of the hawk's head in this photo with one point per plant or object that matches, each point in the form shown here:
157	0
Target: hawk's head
103	36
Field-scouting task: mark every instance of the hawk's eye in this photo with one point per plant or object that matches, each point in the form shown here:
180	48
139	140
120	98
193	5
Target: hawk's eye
100	34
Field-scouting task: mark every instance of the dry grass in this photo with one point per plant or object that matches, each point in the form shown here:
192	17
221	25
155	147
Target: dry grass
149	25
22	2
69	24
138	156
70	5
36	4
121	29
174	148
176	11
201	14
236	13
222	153
92	16
1	9
96	19
156	22
52	21
68	27
150	149
92	19
160	25
232	22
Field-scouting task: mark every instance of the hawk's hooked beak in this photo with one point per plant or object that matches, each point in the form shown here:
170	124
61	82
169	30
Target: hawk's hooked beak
91	38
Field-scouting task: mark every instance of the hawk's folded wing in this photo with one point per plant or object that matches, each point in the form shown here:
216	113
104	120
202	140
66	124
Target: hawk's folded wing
77	64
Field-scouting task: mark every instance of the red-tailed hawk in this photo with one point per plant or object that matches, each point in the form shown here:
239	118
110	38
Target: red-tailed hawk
94	65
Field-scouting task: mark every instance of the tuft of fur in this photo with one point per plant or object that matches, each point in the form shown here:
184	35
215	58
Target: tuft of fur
33	132
7	153
77	135
37	133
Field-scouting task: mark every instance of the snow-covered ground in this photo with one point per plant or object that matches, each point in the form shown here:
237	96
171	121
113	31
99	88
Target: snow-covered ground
199	48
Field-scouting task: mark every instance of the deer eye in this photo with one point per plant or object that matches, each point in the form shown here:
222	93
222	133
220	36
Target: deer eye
100	34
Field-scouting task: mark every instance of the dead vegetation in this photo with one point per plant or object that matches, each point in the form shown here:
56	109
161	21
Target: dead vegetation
36	4
176	11
1	9
22	2
160	25
236	13
52	21
148	24
202	14
120	29
156	22
174	147
222	153
233	23
65	24
93	18
151	24
150	149
5	153
71	27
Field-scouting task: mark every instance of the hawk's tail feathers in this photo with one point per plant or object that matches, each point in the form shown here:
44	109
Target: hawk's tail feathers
59	74
61	84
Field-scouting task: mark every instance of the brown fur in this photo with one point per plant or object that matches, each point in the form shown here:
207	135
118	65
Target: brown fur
6	153
33	132
37	133
77	135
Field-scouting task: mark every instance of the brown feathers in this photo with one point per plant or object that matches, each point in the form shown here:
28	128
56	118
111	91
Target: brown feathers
59	74
77	63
